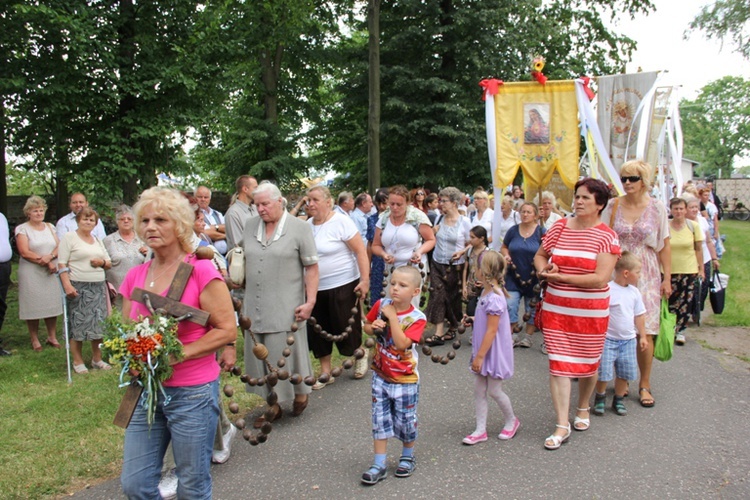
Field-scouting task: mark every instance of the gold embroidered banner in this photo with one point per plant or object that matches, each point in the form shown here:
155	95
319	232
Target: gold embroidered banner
537	131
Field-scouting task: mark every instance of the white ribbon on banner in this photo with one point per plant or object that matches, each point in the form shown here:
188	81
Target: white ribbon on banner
593	137
489	116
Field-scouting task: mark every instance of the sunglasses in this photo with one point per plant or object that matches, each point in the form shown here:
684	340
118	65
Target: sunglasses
420	193
630	178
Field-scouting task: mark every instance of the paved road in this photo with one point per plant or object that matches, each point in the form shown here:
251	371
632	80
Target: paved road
693	444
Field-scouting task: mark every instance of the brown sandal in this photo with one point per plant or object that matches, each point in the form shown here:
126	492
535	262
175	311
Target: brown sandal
262	419
648	401
298	407
434	341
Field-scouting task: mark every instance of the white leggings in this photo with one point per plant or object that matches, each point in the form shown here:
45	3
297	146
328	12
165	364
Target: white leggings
492	387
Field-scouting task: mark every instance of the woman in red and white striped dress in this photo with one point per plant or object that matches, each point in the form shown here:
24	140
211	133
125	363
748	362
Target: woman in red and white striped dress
576	258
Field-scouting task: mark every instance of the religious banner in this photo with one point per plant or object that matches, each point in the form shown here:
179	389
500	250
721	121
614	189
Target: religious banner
619	99
536	130
563	195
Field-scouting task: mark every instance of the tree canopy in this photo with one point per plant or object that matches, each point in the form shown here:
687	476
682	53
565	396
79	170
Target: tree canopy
726	20
104	95
716	125
433	55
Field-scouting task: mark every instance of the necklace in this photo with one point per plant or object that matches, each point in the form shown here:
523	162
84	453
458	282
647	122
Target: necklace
320	226
154	278
392	245
529	233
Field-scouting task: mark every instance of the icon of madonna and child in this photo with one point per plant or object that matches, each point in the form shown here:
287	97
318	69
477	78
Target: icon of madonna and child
536	123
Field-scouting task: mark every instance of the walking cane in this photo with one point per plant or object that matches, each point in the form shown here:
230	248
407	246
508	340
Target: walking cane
65	319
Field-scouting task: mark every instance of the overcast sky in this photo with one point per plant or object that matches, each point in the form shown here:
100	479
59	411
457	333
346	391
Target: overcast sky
691	63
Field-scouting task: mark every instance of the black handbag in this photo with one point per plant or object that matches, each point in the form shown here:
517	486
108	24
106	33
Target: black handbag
717	294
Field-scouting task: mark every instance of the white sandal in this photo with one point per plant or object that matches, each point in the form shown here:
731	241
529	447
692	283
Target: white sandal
584	422
557	441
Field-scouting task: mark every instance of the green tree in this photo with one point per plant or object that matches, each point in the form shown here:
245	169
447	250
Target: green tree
48	93
716	125
104	93
726	20
274	85
433	55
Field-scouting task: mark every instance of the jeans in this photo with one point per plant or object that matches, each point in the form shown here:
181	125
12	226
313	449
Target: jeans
514	300
189	422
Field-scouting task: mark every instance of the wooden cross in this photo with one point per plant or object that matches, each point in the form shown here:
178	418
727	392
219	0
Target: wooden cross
169	305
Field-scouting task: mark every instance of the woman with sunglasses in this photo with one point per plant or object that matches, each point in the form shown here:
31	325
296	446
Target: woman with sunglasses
642	226
418	199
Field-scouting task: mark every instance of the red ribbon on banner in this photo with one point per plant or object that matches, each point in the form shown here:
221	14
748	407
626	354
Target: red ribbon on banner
589	93
491	85
539	77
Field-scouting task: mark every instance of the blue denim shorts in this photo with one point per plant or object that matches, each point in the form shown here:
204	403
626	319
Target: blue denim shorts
394	410
514	301
618	359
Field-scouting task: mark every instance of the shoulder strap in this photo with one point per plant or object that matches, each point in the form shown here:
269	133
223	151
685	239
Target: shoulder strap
479	257
690	226
614	212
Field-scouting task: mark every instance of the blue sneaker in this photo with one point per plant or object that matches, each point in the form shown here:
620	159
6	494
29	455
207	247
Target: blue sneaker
374	474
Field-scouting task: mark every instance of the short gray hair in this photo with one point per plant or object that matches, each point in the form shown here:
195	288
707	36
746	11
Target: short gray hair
453	194
123	210
344	196
689	198
268	187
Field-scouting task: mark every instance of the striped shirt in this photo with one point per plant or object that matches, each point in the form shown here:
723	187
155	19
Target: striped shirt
575	319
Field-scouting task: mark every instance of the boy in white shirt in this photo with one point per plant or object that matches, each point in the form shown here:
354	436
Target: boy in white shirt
626	318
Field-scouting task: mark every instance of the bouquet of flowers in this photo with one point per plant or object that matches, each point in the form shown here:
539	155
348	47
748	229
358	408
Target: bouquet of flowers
146	348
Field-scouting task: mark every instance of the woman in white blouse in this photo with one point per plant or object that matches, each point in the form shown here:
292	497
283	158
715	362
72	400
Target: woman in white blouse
403	234
548	214
508	218
344	271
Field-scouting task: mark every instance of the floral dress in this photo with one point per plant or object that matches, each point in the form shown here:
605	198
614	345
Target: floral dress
645	238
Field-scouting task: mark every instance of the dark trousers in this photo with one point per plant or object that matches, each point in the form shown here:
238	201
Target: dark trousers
4	283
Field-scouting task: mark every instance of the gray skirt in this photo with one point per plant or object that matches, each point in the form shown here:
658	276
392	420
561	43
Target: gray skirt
297	362
87	311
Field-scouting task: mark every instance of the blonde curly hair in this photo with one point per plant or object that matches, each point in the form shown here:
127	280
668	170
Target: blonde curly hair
171	204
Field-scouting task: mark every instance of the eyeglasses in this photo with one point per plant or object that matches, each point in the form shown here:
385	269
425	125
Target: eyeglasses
444	201
630	178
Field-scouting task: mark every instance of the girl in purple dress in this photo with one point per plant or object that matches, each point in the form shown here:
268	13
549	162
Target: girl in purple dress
492	350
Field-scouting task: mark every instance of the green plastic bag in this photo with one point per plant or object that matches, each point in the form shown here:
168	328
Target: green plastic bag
665	340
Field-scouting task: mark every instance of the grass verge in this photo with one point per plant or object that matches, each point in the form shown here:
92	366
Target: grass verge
734	263
57	438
